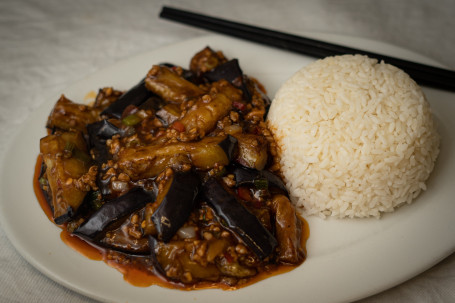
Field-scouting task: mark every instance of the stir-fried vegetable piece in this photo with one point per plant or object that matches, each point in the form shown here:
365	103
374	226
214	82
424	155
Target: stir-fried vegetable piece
170	86
252	151
231	72
288	231
113	210
205	61
66	160
172	261
136	95
98	133
44	185
229	146
67	115
244	175
169	113
105	97
148	161
177	204
184	73
239	219
209	109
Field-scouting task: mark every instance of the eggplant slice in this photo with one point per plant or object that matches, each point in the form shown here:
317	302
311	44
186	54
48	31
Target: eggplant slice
231	72
229	146
171	261
177	205
288	229
98	133
70	116
187	74
137	95
170	86
112	210
153	245
239	219
245	175
44	186
252	151
66	160
148	161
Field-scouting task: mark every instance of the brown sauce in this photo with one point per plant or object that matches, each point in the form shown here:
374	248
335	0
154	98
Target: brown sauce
133	274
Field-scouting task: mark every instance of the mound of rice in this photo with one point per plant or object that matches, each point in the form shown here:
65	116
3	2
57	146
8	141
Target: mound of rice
356	137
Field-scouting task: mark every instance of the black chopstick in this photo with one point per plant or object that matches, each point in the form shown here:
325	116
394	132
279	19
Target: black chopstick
423	74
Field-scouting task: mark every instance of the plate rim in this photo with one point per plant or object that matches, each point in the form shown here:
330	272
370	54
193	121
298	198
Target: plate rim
31	259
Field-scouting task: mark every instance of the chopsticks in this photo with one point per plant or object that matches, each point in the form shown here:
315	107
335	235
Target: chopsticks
423	74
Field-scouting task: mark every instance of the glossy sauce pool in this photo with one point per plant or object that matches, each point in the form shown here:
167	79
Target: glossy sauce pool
142	277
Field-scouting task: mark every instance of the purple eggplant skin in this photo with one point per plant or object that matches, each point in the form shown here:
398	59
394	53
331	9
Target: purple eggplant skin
136	95
274	180
153	244
246	175
44	183
231	72
239	219
101	130
229	146
98	133
112	210
177	204
103	181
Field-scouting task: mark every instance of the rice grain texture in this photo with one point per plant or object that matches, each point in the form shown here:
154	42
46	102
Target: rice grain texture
356	137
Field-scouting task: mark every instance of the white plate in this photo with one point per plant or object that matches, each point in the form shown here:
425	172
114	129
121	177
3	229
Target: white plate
347	259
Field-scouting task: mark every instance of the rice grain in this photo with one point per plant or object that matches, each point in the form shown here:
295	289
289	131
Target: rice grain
356	137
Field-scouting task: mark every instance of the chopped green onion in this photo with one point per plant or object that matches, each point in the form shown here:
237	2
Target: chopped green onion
261	183
221	172
43	181
131	120
223	223
96	203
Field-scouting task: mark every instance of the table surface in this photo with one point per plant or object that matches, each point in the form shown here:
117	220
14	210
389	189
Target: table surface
48	45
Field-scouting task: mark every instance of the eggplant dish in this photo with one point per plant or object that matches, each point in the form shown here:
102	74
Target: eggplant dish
177	177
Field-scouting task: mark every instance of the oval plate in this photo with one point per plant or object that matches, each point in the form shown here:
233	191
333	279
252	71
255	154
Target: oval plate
347	259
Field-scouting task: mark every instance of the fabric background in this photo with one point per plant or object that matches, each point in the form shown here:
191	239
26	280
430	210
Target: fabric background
47	45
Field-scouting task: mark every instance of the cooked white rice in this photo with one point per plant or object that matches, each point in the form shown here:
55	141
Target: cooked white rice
356	137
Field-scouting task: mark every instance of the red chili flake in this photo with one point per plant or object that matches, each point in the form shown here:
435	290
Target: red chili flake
239	105
244	193
228	257
178	126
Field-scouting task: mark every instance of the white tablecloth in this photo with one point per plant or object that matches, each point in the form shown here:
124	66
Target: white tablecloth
47	45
